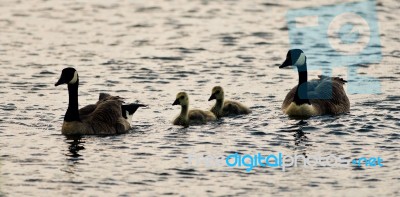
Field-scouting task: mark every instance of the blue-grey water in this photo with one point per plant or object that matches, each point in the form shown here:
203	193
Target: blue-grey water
147	51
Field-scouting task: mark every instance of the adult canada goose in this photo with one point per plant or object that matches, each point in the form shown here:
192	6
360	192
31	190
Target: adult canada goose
225	107
127	110
105	117
190	117
325	95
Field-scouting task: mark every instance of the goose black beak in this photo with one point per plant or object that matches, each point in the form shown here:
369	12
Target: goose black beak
176	102
59	82
285	63
212	97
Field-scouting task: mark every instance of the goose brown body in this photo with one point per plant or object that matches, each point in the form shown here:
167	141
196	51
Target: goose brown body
338	104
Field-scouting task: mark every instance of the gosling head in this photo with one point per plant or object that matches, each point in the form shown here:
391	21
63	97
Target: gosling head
294	57
181	99
217	93
68	76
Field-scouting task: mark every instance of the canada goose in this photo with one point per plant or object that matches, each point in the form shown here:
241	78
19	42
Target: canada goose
190	117
104	117
127	110
316	97
224	107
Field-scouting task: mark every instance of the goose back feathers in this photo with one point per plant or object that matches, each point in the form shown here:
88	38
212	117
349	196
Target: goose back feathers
127	109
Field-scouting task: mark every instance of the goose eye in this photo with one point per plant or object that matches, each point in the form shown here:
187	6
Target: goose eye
217	92
182	97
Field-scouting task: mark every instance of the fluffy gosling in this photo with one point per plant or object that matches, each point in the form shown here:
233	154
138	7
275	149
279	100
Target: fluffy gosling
190	117
225	107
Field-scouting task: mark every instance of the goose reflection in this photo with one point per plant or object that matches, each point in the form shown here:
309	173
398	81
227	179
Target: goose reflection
300	135
75	145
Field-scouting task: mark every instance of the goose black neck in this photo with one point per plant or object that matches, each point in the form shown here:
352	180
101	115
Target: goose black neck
72	111
301	96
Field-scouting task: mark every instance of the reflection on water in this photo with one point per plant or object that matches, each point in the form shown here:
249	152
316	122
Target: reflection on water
300	135
147	52
75	145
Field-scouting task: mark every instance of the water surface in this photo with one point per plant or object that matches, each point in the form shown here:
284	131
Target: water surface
147	52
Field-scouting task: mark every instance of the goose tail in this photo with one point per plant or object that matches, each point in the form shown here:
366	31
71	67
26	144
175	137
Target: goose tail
131	108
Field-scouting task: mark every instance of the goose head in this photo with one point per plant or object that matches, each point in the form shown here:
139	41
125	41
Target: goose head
181	99
217	93
294	57
68	76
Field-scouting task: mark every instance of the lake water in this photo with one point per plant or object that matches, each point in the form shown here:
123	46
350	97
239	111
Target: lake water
147	51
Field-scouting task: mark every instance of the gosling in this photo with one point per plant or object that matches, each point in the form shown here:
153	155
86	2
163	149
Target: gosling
190	117
223	107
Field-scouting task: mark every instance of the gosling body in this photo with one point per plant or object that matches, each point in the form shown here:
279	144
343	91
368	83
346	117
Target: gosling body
190	117
224	107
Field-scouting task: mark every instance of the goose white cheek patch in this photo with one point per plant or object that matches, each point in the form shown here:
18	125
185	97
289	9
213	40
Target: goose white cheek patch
301	60
74	79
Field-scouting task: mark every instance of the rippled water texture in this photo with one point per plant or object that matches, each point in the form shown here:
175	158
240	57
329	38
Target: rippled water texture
147	51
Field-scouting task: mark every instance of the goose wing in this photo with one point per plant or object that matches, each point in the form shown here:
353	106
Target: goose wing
131	108
107	118
87	110
103	96
334	99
